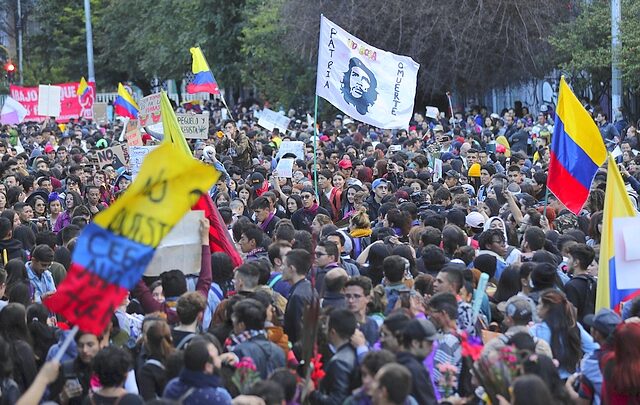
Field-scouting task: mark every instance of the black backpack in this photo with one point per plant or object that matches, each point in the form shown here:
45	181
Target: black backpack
590	297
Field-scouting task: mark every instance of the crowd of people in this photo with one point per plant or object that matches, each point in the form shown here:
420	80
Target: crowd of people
419	266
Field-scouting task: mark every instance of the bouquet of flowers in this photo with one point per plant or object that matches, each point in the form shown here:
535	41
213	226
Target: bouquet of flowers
496	371
448	378
245	375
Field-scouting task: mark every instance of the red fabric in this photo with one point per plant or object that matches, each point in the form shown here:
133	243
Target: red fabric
86	300
566	187
219	239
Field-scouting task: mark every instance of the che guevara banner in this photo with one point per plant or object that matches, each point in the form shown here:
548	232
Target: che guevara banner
72	105
113	252
370	85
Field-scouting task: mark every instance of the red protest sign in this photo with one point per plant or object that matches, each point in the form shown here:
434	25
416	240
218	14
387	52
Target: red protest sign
71	104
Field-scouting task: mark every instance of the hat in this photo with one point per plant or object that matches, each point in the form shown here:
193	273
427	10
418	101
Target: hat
420	329
256	180
54	197
324	138
474	170
102	143
519	309
345	164
309	190
605	321
446	157
48	149
377	182
438	128
402	195
500	149
452	173
475	220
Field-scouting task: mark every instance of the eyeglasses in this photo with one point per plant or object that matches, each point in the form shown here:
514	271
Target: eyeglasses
320	254
305	196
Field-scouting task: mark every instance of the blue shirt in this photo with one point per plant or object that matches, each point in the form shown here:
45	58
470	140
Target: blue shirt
42	284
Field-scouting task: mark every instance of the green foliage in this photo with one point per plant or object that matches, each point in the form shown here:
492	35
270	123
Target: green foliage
280	76
630	37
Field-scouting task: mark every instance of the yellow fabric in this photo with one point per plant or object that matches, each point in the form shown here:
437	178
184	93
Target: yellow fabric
361	233
199	62
502	140
172	132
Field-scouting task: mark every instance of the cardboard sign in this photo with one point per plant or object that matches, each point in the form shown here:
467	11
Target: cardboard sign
49	100
270	119
295	147
100	113
112	156
71	105
149	110
285	168
132	134
136	156
194	126
180	249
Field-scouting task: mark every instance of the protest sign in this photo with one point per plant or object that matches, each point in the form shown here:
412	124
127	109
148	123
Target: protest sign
437	169
285	168
112	156
71	104
149	110
270	119
136	156
194	126
100	113
432	112
180	249
132	134
627	257
295	147
49	100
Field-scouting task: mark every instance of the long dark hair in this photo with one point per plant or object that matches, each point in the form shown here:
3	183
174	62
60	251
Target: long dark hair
560	316
508	284
13	323
43	335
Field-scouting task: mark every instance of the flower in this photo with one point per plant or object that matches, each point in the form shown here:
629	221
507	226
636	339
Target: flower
471	347
317	373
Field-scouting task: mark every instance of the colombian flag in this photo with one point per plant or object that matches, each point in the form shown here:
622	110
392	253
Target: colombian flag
203	80
83	87
125	105
616	205
219	240
577	151
113	252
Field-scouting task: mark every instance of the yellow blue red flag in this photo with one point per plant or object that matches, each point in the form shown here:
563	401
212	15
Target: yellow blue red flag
83	87
125	105
203	80
577	151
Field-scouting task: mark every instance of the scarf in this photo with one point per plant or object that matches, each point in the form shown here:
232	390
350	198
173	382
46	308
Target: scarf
266	222
313	209
234	340
361	233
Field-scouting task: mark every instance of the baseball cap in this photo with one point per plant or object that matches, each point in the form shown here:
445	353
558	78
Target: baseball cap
438	128
605	321
475	220
256	179
519	309
48	149
452	173
420	329
500	149
378	182
345	164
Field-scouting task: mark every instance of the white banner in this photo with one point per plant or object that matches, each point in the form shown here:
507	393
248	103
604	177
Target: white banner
49	100
270	119
367	83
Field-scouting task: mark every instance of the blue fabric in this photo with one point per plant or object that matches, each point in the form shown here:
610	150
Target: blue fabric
207	389
41	285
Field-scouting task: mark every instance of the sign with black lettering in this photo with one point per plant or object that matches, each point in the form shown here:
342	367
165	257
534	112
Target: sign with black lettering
194	126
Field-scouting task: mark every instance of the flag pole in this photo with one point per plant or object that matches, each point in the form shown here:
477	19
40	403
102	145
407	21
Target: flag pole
546	201
65	344
315	145
226	106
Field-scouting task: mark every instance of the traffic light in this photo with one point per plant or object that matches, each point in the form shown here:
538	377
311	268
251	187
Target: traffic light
10	68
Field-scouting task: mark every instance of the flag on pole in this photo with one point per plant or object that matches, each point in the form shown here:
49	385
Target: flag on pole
203	80
367	83
12	112
616	205
577	151
219	239
125	105
113	251
83	87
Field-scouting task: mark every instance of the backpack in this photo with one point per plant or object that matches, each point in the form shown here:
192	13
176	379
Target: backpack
590	298
185	340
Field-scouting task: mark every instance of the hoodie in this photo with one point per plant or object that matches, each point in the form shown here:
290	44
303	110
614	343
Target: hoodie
14	250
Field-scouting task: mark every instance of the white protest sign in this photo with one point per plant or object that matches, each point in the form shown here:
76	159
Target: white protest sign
132	134
270	119
194	126
49	100
149	110
437	170
432	112
180	249
625	236
295	147
136	156
285	168
100	112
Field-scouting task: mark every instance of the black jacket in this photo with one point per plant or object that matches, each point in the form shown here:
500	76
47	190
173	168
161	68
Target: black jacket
342	377
422	389
303	218
300	295
14	249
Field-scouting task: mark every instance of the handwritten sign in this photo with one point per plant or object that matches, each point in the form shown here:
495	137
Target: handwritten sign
149	110
133	134
270	119
136	157
295	147
285	168
194	126
180	249
112	156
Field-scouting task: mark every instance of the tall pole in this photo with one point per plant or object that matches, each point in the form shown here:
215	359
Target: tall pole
20	41
616	77
87	23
